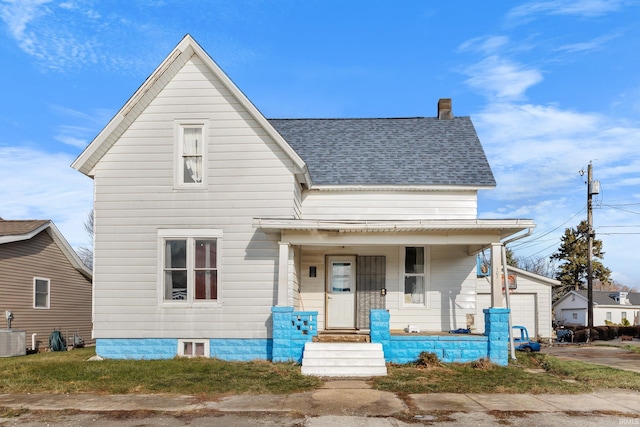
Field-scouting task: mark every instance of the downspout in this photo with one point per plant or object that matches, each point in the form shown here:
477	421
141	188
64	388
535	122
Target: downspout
505	284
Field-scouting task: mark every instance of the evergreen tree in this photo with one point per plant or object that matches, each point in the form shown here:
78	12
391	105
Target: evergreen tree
573	254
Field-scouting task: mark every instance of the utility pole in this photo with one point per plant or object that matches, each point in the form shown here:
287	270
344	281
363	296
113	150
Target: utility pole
593	187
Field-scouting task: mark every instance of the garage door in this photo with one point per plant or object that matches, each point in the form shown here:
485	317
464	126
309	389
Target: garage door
523	311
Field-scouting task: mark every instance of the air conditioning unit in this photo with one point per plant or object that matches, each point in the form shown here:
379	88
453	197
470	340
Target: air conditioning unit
12	342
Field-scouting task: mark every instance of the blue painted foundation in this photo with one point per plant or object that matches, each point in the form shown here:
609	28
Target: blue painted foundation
137	348
451	348
236	349
293	329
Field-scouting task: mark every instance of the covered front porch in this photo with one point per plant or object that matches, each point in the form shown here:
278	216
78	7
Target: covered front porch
421	274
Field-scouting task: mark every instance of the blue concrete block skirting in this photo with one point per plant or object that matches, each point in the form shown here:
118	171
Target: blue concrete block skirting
452	348
137	348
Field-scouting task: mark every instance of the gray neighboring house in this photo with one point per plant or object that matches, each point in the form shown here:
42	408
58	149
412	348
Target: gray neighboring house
43	282
612	306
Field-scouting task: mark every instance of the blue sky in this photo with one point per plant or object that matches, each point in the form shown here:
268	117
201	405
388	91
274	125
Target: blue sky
549	85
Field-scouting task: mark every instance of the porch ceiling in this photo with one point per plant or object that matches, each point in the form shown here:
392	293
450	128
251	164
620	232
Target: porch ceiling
475	229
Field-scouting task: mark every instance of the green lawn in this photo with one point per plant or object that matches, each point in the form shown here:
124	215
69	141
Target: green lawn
72	372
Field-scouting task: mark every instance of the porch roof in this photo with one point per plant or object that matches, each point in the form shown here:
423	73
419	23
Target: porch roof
500	228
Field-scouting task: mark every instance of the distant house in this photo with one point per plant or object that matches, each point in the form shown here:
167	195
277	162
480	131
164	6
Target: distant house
530	301
611	306
43	283
222	233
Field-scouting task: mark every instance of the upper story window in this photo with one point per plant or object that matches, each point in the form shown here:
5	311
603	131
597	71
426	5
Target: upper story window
41	292
191	150
415	275
190	266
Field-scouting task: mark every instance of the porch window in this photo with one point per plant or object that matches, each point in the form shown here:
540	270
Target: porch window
190	271
414	275
41	292
190	154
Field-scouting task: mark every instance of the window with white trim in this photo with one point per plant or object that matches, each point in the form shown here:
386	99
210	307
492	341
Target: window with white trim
193	348
608	316
623	315
190	266
41	288
414	281
191	150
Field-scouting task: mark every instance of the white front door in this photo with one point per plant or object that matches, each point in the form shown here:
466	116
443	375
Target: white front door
341	292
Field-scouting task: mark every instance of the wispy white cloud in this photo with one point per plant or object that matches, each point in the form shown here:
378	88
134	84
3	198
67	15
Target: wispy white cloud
86	126
588	46
501	78
583	8
40	185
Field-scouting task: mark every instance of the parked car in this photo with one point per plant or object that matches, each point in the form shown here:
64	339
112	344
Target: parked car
521	340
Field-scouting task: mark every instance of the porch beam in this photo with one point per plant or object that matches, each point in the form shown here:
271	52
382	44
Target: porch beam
496	275
334	238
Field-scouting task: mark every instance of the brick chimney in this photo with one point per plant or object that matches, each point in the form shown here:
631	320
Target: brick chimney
444	109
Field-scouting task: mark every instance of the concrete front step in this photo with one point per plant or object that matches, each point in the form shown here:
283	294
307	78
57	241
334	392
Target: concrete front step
343	359
338	337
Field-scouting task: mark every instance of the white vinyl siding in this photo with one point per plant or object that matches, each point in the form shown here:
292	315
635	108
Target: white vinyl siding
247	175
389	205
450	294
41	289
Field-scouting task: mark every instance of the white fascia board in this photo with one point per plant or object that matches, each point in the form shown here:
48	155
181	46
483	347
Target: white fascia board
187	47
249	106
514	225
533	276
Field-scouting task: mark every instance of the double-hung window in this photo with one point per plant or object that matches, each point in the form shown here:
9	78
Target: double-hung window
415	275
190	266
41	292
191	150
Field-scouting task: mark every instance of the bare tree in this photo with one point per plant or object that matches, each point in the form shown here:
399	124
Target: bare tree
86	252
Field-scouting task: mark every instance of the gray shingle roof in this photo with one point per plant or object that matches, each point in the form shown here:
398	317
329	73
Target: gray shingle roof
19	227
398	151
604	298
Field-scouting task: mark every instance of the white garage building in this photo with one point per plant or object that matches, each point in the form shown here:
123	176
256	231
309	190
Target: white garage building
530	301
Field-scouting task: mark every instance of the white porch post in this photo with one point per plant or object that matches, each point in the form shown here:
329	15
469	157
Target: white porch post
283	275
496	272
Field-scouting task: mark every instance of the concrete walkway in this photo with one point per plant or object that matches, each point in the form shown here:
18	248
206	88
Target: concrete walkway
346	397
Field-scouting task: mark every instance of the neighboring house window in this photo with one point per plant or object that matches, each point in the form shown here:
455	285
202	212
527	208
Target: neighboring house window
191	152
193	348
608	316
41	292
415	278
623	315
574	316
190	265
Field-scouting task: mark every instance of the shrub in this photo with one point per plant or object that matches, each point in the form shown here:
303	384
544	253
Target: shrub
428	360
581	335
633	331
